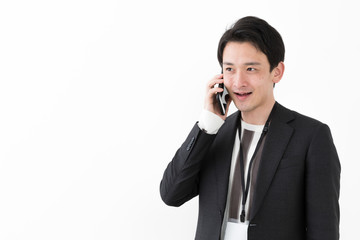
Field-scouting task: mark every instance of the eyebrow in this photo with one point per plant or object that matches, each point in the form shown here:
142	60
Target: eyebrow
246	64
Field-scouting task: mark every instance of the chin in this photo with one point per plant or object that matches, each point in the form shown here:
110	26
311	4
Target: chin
243	107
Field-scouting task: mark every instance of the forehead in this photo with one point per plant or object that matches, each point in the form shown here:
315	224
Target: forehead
241	52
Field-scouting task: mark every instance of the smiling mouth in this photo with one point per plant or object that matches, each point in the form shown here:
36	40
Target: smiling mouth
243	94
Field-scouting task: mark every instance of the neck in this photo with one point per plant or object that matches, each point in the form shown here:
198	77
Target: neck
259	115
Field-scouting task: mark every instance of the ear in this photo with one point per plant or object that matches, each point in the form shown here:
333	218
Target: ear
278	72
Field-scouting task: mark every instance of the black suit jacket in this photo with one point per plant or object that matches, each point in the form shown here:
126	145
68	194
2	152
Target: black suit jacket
297	190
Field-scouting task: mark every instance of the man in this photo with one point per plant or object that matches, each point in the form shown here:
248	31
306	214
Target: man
281	180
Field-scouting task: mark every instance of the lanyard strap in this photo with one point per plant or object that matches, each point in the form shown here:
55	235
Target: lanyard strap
245	190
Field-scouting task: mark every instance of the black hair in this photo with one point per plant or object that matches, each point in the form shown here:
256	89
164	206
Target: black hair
260	34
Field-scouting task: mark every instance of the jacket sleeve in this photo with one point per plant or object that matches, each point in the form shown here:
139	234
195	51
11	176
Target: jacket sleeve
322	187
181	177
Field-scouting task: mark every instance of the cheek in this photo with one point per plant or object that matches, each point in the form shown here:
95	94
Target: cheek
265	87
261	82
227	82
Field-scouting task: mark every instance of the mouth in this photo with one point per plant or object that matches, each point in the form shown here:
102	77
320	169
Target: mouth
243	94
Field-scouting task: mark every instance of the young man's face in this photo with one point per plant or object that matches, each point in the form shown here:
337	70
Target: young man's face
248	78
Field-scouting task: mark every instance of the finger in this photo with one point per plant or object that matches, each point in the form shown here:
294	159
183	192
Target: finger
215	81
219	76
215	90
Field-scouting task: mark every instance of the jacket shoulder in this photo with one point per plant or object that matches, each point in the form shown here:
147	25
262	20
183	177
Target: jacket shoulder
298	120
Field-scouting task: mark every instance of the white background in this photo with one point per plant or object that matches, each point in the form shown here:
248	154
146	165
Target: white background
96	97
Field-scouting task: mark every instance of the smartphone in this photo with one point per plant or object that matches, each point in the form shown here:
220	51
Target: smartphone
221	99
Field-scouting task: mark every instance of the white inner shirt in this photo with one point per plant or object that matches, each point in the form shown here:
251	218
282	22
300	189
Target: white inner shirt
231	230
211	123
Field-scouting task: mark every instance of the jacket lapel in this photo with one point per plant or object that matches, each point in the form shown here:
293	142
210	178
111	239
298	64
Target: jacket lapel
226	138
275	144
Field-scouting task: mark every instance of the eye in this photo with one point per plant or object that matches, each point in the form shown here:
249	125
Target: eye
228	69
250	69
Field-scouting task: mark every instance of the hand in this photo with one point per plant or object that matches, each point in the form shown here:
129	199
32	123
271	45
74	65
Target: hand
211	103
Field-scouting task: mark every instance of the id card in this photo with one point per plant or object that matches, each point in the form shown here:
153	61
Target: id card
236	231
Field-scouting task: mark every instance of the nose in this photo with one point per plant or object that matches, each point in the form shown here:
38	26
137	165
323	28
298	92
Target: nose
239	79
